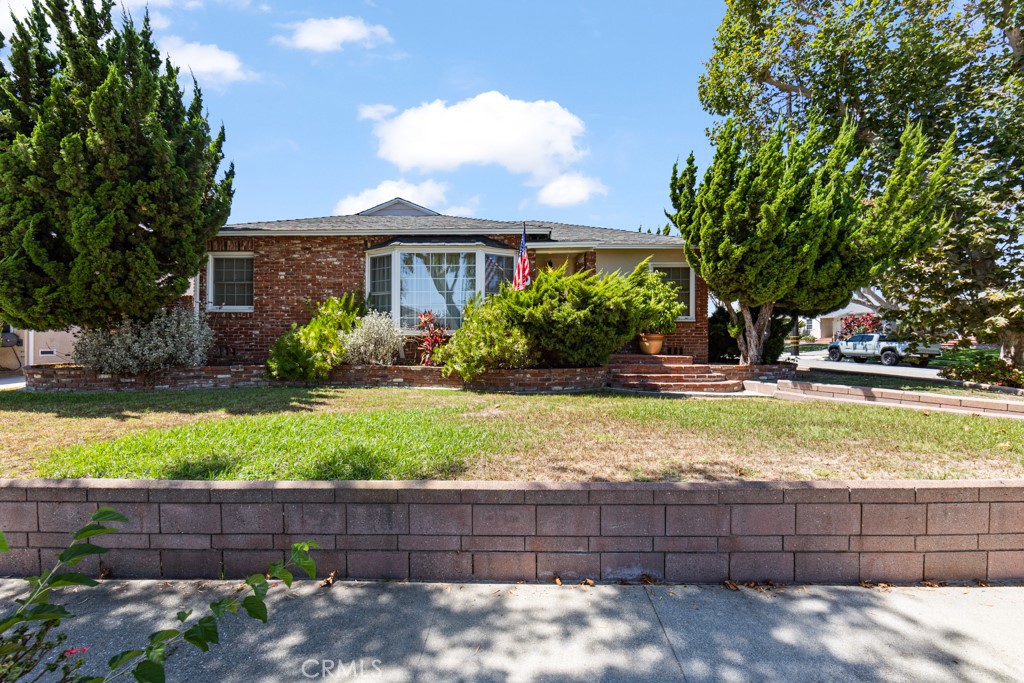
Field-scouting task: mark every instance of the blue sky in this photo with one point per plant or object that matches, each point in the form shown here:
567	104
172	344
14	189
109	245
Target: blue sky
566	111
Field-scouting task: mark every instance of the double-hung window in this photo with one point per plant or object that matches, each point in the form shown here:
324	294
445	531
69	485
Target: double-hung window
230	282
683	279
411	279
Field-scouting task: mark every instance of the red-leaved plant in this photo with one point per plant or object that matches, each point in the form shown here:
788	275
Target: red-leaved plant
434	335
861	324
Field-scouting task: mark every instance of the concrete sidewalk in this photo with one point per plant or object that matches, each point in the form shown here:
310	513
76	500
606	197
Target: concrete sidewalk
482	632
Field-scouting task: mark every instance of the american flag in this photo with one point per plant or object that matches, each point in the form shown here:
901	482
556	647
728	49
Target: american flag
522	277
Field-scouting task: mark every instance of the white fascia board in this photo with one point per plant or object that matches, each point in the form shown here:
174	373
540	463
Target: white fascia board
375	233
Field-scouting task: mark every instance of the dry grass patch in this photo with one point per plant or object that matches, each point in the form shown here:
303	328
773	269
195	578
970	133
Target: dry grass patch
607	437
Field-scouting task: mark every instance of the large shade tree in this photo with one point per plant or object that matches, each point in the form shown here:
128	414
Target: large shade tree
109	184
947	65
791	222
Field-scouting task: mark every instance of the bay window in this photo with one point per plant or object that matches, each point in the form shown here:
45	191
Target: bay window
408	280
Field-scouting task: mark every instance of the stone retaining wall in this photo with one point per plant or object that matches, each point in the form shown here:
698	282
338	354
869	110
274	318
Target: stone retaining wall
836	532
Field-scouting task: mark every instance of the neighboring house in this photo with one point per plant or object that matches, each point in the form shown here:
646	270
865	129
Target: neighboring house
261	277
829	325
36	348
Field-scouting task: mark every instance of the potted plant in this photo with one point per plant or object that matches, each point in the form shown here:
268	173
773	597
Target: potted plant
656	307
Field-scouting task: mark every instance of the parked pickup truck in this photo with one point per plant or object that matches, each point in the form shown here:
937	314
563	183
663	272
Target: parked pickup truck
861	347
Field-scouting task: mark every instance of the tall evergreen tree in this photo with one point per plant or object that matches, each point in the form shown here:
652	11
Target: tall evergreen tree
787	223
109	186
944	64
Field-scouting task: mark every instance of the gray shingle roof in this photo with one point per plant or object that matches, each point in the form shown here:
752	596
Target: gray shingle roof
537	231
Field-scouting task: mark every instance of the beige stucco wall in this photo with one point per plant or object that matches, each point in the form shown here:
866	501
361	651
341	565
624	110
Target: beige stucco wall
555	260
625	260
59	341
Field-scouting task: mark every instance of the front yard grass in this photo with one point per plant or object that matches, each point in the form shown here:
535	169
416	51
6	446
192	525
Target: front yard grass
322	433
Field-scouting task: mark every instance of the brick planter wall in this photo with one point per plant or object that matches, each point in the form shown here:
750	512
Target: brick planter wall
840	532
536	380
74	378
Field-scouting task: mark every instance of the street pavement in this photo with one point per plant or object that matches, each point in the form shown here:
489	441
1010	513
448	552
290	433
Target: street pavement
11	381
487	632
821	362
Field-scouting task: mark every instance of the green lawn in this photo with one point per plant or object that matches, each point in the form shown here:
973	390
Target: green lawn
297	433
950	356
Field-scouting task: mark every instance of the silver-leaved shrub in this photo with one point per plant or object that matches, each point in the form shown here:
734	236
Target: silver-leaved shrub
374	341
175	338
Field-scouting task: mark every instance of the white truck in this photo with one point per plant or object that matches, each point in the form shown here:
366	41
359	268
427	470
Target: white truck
861	347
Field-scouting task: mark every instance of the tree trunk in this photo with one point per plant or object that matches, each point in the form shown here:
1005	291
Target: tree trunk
1011	347
755	333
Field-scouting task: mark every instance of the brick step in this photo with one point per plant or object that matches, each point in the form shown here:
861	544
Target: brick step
644	359
724	385
669	379
680	370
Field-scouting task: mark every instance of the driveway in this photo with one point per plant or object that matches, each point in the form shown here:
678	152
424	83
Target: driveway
869	368
491	632
10	380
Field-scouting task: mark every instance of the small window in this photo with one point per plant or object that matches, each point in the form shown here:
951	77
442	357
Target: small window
231	282
379	293
48	352
680	277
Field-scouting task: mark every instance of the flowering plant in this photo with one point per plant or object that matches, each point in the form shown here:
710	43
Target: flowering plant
861	324
434	336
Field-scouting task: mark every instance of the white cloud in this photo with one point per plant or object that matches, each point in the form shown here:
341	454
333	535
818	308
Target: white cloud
537	138
159	21
375	112
209	63
465	210
429	193
570	189
330	35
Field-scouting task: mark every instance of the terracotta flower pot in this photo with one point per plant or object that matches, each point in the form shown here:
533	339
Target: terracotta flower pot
651	343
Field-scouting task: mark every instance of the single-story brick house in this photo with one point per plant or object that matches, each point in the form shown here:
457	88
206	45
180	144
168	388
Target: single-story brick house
261	277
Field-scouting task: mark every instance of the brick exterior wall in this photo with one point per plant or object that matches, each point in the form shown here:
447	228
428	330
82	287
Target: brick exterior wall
289	273
691	338
292	272
834	532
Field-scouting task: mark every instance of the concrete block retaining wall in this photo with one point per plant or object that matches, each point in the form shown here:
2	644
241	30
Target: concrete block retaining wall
835	532
1010	406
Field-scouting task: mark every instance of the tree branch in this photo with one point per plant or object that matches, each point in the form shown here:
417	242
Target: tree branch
1013	35
766	78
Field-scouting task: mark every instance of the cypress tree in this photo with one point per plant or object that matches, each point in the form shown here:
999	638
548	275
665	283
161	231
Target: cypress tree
786	223
109	186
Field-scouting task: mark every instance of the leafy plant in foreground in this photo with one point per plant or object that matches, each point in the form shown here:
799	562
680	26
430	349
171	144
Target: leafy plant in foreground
309	352
27	653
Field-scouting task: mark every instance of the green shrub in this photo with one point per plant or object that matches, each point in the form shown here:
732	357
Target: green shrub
487	340
309	352
974	366
374	341
572	320
174	338
655	302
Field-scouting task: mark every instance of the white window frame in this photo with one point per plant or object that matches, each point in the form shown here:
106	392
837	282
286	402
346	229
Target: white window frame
210	307
691	308
396	251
